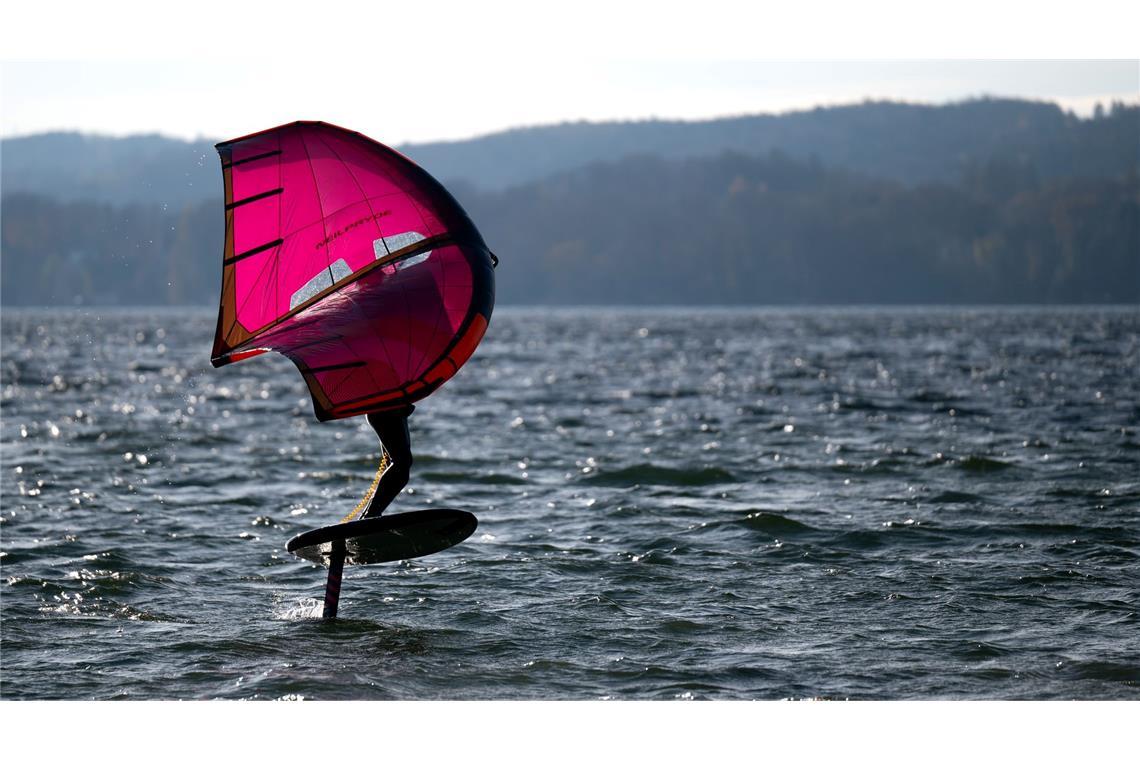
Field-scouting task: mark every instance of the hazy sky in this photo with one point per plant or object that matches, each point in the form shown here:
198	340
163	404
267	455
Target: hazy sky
449	70
191	99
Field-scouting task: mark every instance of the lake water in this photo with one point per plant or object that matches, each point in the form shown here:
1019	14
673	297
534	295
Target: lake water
673	504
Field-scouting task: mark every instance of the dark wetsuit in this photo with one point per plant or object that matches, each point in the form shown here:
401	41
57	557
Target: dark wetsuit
392	428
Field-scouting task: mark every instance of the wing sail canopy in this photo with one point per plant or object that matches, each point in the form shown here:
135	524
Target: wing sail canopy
351	260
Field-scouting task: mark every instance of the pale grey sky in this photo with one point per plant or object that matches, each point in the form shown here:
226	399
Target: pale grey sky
451	69
218	100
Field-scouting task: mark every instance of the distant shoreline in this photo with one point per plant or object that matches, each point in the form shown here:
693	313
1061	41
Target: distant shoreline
647	308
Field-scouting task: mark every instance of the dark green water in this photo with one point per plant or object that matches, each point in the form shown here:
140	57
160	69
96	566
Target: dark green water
725	504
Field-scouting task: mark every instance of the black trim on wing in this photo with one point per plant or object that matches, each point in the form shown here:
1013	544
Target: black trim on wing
254	251
252	198
252	158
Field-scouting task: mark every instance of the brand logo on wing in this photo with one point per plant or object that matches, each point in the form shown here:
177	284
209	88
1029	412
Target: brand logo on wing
351	225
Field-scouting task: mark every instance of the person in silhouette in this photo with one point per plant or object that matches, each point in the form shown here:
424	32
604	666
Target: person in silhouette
392	429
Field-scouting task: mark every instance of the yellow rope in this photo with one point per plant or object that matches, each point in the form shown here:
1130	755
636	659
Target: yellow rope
385	463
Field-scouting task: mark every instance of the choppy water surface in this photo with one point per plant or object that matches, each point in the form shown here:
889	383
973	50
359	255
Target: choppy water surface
672	504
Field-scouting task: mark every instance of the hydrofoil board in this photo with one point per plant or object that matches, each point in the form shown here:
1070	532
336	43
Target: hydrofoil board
386	539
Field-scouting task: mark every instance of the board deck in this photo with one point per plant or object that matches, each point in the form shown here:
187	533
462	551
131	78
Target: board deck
386	539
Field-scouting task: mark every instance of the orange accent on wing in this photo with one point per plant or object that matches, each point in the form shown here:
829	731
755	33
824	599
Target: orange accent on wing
237	356
464	347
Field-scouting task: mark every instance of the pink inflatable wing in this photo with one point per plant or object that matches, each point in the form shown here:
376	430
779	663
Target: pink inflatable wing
346	257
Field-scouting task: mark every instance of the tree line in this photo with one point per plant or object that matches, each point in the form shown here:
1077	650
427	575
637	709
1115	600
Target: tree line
725	229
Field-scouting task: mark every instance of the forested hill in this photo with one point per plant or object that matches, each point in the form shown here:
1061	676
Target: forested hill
744	230
1016	214
909	143
731	229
